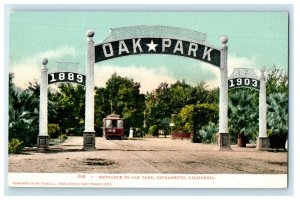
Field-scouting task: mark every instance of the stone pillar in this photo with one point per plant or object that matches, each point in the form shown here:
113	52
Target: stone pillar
89	132
263	142
43	137
224	137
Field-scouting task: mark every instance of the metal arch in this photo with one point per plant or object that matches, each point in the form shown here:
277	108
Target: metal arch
243	73
122	33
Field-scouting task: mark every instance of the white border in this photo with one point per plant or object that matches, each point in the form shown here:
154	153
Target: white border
79	180
230	192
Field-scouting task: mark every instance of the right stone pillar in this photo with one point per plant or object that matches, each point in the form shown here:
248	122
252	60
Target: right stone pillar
262	142
224	137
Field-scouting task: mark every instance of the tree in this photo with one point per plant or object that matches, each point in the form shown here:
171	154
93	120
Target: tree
243	115
277	81
181	95
192	117
123	96
165	101
23	114
277	100
70	108
278	119
158	106
102	108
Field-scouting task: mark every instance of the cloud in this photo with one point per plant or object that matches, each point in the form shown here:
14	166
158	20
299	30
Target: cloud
233	62
28	69
148	78
240	62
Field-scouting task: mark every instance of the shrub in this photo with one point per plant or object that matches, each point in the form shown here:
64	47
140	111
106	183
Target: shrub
208	132
138	132
53	130
63	137
75	131
153	130
197	138
15	146
277	141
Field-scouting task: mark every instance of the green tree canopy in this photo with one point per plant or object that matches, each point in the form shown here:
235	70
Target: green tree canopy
120	96
192	117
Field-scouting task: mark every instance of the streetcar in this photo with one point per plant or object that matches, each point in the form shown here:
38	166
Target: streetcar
113	127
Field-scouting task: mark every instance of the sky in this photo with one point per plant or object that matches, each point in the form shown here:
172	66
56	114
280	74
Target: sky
256	40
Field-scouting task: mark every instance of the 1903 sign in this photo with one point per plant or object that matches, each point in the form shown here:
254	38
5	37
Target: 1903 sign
243	82
66	77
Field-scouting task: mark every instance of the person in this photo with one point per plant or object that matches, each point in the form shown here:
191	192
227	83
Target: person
131	133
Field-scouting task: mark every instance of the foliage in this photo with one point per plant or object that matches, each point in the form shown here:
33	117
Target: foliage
121	96
23	114
277	100
278	119
207	134
53	130
63	137
158	106
15	146
277	81
192	117
69	103
167	100
153	130
278	113
243	113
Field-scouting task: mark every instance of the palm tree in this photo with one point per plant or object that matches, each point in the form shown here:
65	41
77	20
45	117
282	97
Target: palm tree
23	116
243	115
278	118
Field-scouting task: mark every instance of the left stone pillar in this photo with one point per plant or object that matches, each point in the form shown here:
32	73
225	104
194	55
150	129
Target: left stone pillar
43	137
89	132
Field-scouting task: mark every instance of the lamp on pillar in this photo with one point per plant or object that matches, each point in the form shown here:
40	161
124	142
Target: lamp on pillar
89	132
43	137
263	142
224	137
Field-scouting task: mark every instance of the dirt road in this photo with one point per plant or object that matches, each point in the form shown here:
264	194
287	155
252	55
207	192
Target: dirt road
149	155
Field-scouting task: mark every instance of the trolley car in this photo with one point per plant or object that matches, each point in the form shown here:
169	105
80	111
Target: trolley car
113	127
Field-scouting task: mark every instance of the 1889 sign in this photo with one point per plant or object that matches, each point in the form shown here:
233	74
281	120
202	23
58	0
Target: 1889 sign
243	82
66	77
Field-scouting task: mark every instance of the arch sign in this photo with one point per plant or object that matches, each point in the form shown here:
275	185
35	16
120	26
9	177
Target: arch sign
170	46
243	77
71	77
134	41
47	79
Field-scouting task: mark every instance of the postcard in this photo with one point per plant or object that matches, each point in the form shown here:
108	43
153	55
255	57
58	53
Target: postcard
148	99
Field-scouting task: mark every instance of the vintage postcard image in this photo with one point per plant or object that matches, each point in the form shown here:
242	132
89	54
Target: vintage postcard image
148	99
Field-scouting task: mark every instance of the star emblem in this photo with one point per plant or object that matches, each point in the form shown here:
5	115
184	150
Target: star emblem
152	46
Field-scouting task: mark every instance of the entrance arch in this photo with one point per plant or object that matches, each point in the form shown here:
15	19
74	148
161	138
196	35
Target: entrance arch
47	79
244	77
145	40
156	40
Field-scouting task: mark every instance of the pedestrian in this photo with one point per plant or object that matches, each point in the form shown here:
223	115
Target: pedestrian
131	133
